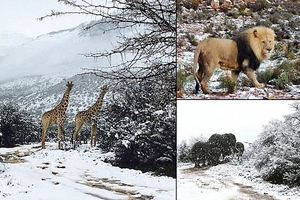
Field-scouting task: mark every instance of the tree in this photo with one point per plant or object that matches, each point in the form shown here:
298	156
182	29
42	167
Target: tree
16	126
276	152
184	152
140	123
140	127
149	49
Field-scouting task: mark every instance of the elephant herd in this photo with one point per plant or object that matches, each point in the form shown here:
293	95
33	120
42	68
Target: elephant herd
218	146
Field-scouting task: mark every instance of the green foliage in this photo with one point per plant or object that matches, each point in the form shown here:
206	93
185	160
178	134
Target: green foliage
192	39
292	6
286	73
266	23
265	76
282	80
182	76
202	15
209	28
228	83
194	4
16	126
261	5
274	18
184	152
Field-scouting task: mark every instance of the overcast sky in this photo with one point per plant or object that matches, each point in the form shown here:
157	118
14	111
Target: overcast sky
244	118
21	16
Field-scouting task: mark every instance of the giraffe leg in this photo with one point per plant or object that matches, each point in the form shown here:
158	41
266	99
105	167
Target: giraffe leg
45	126
93	134
60	136
60	132
79	124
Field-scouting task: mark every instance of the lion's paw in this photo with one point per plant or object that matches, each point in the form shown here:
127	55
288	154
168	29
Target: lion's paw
260	85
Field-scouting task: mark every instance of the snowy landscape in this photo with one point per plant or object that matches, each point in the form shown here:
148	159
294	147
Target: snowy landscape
31	173
270	165
238	181
34	73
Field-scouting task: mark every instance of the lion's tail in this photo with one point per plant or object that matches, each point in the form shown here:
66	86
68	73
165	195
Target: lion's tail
196	58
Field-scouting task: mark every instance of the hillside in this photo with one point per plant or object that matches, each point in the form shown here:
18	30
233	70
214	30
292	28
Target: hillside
34	71
57	53
198	21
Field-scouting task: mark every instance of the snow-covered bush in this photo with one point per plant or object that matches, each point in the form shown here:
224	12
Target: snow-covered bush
16	126
276	152
140	126
184	152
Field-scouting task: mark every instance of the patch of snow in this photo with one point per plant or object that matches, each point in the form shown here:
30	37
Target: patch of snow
228	181
78	174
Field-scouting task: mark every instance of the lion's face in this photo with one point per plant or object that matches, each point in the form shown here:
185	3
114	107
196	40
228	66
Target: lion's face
262	42
267	45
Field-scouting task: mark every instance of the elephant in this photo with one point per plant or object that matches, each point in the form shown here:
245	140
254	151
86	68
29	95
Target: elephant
199	153
239	150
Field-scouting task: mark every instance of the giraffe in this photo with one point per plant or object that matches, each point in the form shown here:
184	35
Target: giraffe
88	116
56	116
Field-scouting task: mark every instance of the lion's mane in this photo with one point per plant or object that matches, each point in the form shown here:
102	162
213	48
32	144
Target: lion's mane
250	45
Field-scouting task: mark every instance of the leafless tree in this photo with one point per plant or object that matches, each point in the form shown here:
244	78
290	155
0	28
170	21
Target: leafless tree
147	52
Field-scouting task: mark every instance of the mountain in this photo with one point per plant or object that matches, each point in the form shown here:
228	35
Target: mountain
34	72
57	53
9	41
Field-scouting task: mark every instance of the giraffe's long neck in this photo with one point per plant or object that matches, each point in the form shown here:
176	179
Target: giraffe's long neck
95	109
63	105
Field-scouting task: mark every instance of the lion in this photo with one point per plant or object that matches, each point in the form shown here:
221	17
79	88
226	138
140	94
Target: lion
244	53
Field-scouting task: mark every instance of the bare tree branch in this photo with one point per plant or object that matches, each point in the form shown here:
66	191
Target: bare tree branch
149	47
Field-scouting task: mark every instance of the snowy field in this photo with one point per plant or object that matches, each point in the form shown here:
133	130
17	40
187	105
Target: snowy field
231	181
28	172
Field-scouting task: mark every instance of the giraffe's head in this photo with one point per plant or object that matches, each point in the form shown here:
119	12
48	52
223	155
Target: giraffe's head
104	88
69	85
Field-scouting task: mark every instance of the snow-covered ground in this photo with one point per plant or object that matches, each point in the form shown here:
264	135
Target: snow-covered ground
230	181
28	172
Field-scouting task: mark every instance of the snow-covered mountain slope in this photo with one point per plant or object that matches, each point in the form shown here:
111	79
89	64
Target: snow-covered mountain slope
9	41
58	53
34	73
38	94
32	173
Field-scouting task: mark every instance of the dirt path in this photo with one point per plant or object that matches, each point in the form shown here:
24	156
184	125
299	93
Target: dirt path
196	183
58	172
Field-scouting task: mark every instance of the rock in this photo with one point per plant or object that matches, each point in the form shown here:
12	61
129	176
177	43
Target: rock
215	4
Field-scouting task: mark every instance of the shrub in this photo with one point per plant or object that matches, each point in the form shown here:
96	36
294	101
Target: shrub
266	23
16	126
260	5
265	76
282	81
276	152
194	4
286	73
228	83
209	29
274	18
